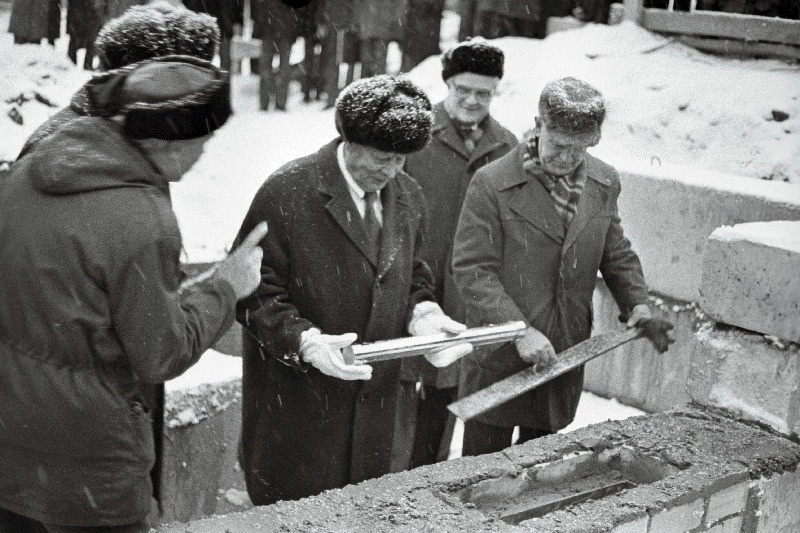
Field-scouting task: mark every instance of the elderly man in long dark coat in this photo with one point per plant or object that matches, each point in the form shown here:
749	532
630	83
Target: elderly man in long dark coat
465	137
536	226
342	263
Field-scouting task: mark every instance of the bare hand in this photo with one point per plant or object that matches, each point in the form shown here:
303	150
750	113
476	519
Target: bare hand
242	268
536	349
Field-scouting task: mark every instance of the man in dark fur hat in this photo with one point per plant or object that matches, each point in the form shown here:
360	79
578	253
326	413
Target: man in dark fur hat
465	137
342	264
93	311
143	32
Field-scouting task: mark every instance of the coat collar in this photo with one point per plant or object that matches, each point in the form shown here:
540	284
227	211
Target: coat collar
532	201
446	132
396	204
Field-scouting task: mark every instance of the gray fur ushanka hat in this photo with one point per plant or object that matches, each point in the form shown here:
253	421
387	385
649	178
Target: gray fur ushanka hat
389	113
155	30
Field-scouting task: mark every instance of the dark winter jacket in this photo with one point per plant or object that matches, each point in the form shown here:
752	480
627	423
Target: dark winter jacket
32	20
381	19
513	260
89	311
443	170
302	431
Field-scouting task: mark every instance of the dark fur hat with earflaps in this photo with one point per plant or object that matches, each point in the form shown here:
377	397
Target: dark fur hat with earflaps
154	30
389	113
170	97
474	55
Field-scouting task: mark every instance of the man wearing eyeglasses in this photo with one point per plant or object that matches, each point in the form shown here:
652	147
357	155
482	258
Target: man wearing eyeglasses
465	137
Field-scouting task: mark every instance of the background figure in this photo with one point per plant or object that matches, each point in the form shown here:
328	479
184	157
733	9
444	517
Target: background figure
34	20
340	44
465	137
83	23
510	18
422	32
278	26
227	13
312	69
379	23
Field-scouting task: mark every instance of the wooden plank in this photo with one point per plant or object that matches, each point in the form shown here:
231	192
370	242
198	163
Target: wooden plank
516	384
729	25
744	48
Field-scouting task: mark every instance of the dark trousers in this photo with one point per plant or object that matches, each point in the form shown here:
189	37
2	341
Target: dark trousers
15	523
482	438
434	426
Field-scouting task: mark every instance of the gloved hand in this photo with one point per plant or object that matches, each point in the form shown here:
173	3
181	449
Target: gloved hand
657	330
535	348
429	319
324	352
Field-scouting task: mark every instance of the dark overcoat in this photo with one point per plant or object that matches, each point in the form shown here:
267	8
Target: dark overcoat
443	170
302	431
381	19
32	20
513	260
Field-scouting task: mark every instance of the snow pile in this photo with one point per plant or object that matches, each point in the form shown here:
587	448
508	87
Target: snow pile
783	234
37	82
667	103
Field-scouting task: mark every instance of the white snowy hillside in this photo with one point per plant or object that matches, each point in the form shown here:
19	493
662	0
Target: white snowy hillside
668	105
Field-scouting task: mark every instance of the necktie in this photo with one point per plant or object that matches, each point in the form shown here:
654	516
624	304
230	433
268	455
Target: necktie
371	224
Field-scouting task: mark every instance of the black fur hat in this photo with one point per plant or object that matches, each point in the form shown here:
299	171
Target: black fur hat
170	97
155	30
389	113
474	55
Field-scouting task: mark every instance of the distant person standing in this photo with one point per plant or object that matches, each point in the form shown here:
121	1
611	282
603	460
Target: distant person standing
340	44
537	226
465	137
83	23
34	20
380	22
93	308
422	32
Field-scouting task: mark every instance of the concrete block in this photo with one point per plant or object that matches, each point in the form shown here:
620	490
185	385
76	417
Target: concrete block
637	526
751	277
774	515
668	214
744	372
678	519
727	502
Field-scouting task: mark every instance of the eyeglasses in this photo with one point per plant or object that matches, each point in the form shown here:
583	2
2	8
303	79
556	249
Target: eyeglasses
481	95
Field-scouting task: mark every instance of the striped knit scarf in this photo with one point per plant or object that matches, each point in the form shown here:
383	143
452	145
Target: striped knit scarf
564	190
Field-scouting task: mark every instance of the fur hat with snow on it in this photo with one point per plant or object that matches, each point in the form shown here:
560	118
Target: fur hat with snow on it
156	30
474	55
389	113
171	97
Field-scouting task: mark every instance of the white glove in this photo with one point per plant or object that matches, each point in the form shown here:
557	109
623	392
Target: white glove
324	352
429	319
536	349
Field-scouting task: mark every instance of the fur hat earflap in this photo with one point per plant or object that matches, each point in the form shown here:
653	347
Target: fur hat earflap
156	30
389	113
474	55
171	97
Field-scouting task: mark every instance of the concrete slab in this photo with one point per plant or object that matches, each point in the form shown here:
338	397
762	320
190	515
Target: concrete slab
751	277
668	215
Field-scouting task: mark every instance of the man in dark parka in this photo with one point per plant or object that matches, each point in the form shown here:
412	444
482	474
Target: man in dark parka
465	137
536	227
92	306
310	420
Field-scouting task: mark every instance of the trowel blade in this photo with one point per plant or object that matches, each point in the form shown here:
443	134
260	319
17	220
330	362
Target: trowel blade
516	384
